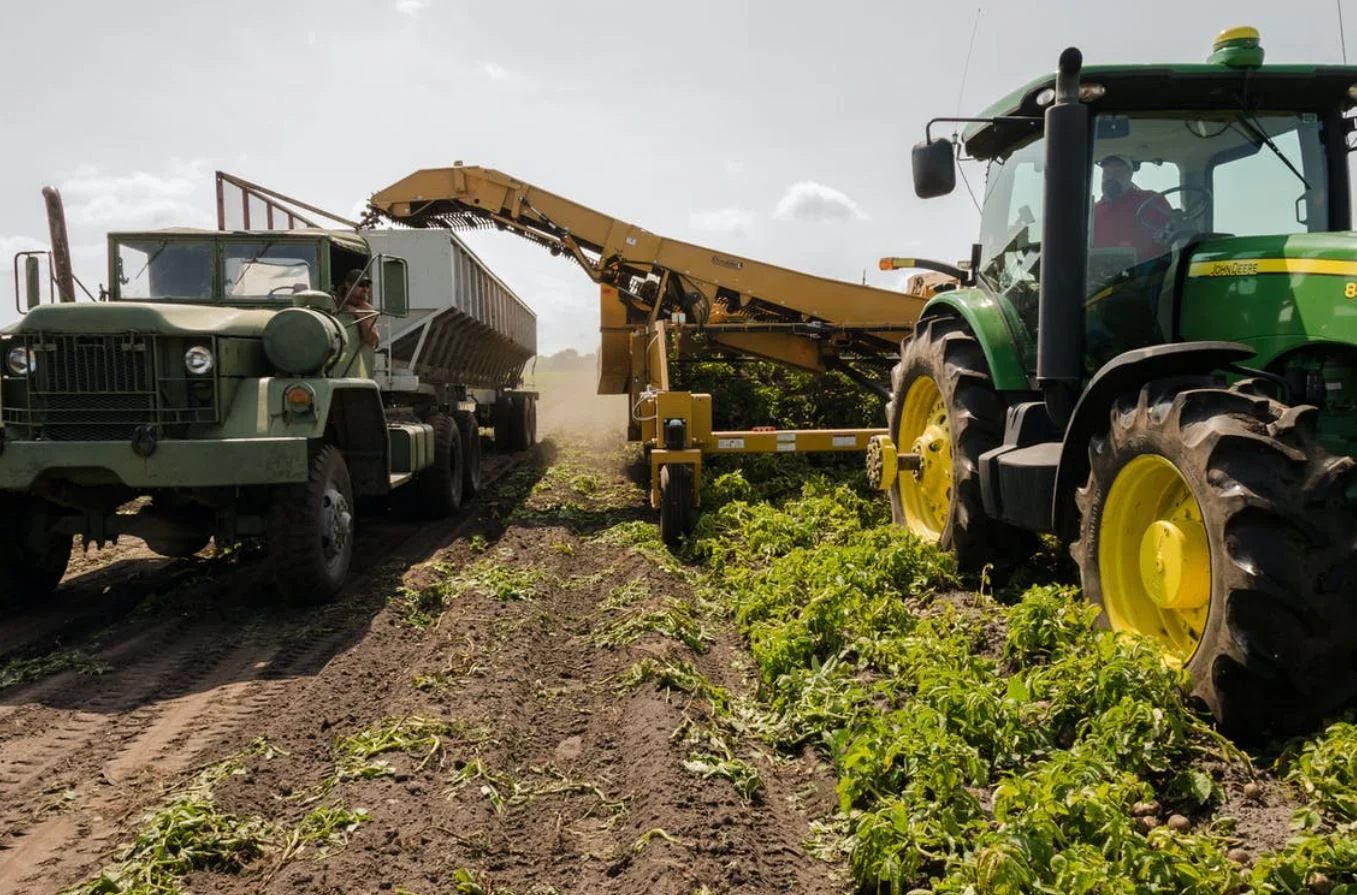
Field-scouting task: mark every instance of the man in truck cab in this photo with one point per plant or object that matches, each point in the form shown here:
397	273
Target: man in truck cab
353	294
1115	222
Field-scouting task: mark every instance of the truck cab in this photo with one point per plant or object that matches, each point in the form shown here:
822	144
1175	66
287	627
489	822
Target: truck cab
223	379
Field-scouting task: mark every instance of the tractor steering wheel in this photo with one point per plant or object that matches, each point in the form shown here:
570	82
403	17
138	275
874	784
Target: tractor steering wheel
1178	219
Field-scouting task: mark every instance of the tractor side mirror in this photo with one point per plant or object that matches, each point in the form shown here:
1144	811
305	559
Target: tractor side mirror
934	168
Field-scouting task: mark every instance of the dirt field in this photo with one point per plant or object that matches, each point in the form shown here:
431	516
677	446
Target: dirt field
490	706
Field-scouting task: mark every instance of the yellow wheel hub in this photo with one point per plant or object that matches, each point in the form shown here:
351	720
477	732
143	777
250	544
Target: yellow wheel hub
1154	560
926	492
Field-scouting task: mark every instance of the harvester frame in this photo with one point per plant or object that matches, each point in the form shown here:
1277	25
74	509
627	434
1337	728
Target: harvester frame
659	298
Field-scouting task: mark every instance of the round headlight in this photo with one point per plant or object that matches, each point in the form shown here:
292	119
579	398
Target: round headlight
20	361
198	360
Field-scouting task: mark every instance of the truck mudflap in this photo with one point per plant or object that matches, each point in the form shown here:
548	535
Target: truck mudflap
189	463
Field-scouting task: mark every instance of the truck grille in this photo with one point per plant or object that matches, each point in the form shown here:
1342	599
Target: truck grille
102	387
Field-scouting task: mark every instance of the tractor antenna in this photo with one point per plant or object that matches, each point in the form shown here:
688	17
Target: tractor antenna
966	69
1342	38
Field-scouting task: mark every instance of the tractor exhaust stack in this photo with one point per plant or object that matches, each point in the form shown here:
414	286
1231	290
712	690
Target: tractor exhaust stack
1064	237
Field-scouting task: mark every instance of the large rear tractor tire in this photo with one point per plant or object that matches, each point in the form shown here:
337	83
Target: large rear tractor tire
439	487
31	565
469	430
311	531
676	502
1215	525
944	407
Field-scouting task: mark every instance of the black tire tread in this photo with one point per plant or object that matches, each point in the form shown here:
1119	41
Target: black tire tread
296	558
1279	646
944	349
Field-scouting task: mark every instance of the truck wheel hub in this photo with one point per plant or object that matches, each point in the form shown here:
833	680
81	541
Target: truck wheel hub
336	523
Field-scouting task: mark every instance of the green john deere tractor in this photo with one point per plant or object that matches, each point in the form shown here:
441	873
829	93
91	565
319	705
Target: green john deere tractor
1152	355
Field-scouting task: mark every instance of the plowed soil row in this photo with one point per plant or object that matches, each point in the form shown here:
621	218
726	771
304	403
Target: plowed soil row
523	634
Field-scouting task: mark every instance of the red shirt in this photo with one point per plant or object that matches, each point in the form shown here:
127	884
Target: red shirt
1114	222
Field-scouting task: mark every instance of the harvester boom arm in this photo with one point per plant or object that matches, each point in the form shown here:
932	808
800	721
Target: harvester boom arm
699	280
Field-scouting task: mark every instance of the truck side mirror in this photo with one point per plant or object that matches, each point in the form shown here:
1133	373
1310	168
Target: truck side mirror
934	168
32	282
395	287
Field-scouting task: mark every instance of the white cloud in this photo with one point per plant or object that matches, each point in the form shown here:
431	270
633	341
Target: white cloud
9	245
411	8
807	200
139	199
496	72
724	220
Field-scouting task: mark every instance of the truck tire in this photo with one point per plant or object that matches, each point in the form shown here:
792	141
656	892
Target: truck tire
438	488
503	417
522	422
470	432
676	502
943	405
529	420
26	573
1214	524
178	548
311	531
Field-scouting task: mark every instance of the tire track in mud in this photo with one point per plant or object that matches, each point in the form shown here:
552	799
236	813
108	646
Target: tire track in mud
182	690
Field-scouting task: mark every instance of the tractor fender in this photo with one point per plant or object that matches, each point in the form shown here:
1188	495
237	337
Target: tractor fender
1126	372
985	318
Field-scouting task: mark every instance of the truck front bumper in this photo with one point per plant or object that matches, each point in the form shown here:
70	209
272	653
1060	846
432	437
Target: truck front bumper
173	464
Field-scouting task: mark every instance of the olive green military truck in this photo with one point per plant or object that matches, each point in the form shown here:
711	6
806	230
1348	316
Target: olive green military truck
222	387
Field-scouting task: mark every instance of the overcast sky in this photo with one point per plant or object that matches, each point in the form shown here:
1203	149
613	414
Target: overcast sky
776	130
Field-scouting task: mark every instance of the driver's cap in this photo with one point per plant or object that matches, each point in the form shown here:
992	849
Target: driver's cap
1118	159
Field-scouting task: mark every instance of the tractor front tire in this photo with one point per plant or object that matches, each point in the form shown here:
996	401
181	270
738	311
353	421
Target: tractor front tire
311	531
944	406
439	488
1214	524
676	502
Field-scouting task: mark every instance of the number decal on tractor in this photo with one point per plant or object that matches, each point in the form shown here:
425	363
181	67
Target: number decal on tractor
1350	290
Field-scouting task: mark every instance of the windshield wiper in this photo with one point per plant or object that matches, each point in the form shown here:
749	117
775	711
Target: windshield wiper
248	264
1262	138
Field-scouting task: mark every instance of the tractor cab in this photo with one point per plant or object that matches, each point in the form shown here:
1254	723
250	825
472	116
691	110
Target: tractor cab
1152	356
1176	157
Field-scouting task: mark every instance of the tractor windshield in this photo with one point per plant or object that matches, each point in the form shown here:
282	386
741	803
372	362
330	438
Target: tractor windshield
1160	180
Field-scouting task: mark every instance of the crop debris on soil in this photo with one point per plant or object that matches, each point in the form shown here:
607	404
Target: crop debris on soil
801	698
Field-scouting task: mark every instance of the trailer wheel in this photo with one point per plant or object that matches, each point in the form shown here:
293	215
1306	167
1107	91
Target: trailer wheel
676	502
1215	525
27	570
522	422
944	407
503	416
311	531
470	432
439	487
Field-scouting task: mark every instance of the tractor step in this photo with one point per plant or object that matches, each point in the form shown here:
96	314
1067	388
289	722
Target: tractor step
1017	483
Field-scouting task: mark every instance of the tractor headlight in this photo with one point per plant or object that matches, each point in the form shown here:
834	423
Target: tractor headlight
198	360
20	361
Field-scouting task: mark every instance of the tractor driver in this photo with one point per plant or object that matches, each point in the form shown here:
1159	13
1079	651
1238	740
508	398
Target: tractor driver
353	294
1115	221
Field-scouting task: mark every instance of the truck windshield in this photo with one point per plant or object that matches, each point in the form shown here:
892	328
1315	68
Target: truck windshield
268	269
164	269
185	269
